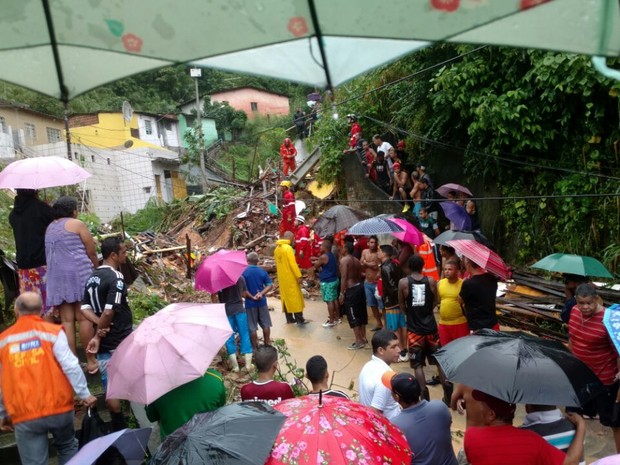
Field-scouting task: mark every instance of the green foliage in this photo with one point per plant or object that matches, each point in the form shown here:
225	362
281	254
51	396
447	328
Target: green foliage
92	221
7	241
291	369
227	119
148	218
144	305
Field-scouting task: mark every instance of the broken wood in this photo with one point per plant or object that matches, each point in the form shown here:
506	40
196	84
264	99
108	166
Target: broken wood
168	249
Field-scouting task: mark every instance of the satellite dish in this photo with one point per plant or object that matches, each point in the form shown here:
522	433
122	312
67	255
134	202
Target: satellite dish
127	111
128	144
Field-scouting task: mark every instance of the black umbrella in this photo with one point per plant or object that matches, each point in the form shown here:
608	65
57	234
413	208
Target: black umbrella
238	434
337	219
455	235
519	368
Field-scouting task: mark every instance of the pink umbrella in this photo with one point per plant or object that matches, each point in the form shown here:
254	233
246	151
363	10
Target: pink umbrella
482	256
168	349
410	233
220	270
42	172
451	187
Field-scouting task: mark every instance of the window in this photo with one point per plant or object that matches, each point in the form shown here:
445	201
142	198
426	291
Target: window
148	127
254	106
3	127
167	125
31	131
53	135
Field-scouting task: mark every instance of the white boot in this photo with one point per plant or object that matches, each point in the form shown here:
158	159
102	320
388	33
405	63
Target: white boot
248	363
233	363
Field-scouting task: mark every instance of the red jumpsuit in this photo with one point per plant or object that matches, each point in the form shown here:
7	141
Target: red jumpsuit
288	153
303	248
288	212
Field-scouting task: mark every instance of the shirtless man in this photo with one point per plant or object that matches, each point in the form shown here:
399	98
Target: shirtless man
371	265
351	298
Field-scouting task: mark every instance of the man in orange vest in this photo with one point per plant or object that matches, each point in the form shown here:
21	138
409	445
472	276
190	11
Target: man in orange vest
38	375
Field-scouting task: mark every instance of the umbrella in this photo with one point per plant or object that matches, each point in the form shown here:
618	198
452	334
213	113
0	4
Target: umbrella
482	256
447	188
337	219
168	349
575	264
373	226
237	434
611	320
131	443
42	172
220	270
457	215
336	431
519	368
455	234
64	49
410	233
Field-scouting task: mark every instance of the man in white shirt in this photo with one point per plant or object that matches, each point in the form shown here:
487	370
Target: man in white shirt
384	147
372	392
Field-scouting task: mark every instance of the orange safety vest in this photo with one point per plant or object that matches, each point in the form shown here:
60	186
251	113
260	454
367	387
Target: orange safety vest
430	265
33	383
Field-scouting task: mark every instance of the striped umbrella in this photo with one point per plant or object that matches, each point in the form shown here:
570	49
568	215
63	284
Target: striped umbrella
482	256
373	226
411	234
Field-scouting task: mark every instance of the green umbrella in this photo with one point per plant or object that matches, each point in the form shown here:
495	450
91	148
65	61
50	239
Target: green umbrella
575	264
64	48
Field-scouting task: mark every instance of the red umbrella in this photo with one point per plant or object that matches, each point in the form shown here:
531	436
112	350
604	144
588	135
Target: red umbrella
220	270
482	256
336	431
411	234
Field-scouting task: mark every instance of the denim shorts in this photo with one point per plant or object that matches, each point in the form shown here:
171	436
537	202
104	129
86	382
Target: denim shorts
103	359
371	299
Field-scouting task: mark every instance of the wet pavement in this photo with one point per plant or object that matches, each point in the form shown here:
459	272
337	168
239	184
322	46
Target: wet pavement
344	366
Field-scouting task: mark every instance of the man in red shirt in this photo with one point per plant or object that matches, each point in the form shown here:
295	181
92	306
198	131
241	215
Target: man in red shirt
500	443
288	208
303	247
288	152
590	343
264	388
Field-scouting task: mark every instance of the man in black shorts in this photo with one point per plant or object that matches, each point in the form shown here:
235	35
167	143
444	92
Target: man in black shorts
417	296
352	296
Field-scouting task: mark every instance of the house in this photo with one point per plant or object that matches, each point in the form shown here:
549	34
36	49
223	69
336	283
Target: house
254	101
22	128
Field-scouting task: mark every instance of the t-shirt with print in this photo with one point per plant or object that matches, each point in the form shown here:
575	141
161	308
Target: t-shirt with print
271	392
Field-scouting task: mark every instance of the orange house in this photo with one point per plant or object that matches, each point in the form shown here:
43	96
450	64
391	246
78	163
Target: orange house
254	101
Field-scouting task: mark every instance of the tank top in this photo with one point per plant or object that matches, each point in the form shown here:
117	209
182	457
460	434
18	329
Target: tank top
329	271
420	317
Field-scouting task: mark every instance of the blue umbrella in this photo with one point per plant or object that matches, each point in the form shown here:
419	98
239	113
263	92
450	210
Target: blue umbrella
373	226
457	215
611	319
131	443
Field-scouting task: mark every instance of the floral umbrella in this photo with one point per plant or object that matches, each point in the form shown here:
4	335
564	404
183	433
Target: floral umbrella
65	48
336	431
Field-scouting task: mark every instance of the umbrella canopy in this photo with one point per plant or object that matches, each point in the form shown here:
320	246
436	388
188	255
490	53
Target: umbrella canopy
575	264
220	270
336	431
451	187
611	320
168	349
237	434
373	226
482	256
131	443
336	219
42	172
457	215
519	368
64	49
455	234
410	234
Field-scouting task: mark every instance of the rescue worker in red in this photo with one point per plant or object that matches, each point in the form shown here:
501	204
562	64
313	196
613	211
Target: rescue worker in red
288	152
355	127
303	247
288	208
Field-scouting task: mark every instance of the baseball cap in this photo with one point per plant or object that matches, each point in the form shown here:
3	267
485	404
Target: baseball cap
396	166
499	406
403	384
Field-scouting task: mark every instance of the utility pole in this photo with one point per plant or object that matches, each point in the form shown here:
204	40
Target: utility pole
197	73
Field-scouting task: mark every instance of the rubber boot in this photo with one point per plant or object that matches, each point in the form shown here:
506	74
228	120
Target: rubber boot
233	363
248	363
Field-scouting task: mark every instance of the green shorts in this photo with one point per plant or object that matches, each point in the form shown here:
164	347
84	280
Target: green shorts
329	291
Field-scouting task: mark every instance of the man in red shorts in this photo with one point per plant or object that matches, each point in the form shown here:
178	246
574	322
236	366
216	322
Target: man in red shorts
417	296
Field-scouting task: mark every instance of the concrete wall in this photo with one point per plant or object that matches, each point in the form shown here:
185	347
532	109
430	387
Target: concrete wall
209	131
266	102
14	119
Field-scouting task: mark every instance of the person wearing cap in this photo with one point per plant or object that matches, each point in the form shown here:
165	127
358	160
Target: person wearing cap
355	126
258	284
303	248
426	424
288	207
372	391
288	153
401	185
289	279
500	443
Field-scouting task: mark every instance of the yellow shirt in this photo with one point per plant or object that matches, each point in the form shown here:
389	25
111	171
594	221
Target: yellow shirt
450	312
